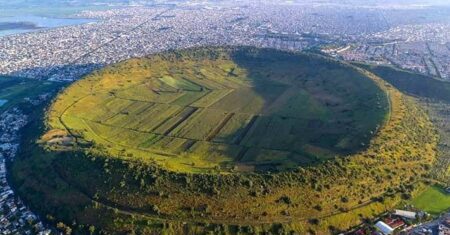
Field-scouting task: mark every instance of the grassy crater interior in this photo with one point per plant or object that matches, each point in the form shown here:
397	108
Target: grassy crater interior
225	109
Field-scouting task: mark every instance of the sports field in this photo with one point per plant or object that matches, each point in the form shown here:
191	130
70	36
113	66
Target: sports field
433	200
239	109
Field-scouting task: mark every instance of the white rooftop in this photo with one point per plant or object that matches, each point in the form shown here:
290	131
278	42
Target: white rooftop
384	228
405	214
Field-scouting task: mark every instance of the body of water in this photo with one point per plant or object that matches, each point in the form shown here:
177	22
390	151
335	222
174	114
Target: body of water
23	24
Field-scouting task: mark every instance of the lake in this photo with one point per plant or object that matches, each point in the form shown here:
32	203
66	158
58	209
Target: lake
22	24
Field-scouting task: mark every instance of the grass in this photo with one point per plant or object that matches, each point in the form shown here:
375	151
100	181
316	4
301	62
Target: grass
433	200
14	90
298	110
434	96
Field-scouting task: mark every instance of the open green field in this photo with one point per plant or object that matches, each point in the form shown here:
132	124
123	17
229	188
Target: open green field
147	146
230	109
433	200
14	90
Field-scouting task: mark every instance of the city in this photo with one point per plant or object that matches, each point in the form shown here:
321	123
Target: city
379	36
15	218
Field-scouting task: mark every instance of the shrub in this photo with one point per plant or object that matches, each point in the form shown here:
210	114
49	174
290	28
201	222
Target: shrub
284	199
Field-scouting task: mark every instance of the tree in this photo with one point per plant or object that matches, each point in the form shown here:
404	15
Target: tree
66	229
314	221
91	229
156	210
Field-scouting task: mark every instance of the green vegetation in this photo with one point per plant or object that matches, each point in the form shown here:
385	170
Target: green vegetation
434	96
433	200
438	112
230	109
87	182
14	90
412	83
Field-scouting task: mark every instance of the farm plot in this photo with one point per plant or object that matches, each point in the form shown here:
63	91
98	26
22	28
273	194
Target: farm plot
235	107
168	144
180	84
189	97
211	98
174	121
215	152
233	128
153	117
198	127
251	100
298	103
129	114
148	93
103	111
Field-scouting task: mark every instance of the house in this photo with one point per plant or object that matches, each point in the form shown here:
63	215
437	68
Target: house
360	231
394	223
45	232
384	228
405	214
443	229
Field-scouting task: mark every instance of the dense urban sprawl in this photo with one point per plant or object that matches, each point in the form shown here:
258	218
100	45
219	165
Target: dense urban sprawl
15	217
369	35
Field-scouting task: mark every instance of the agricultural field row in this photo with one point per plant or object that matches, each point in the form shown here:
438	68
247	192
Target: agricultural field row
174	129
231	107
